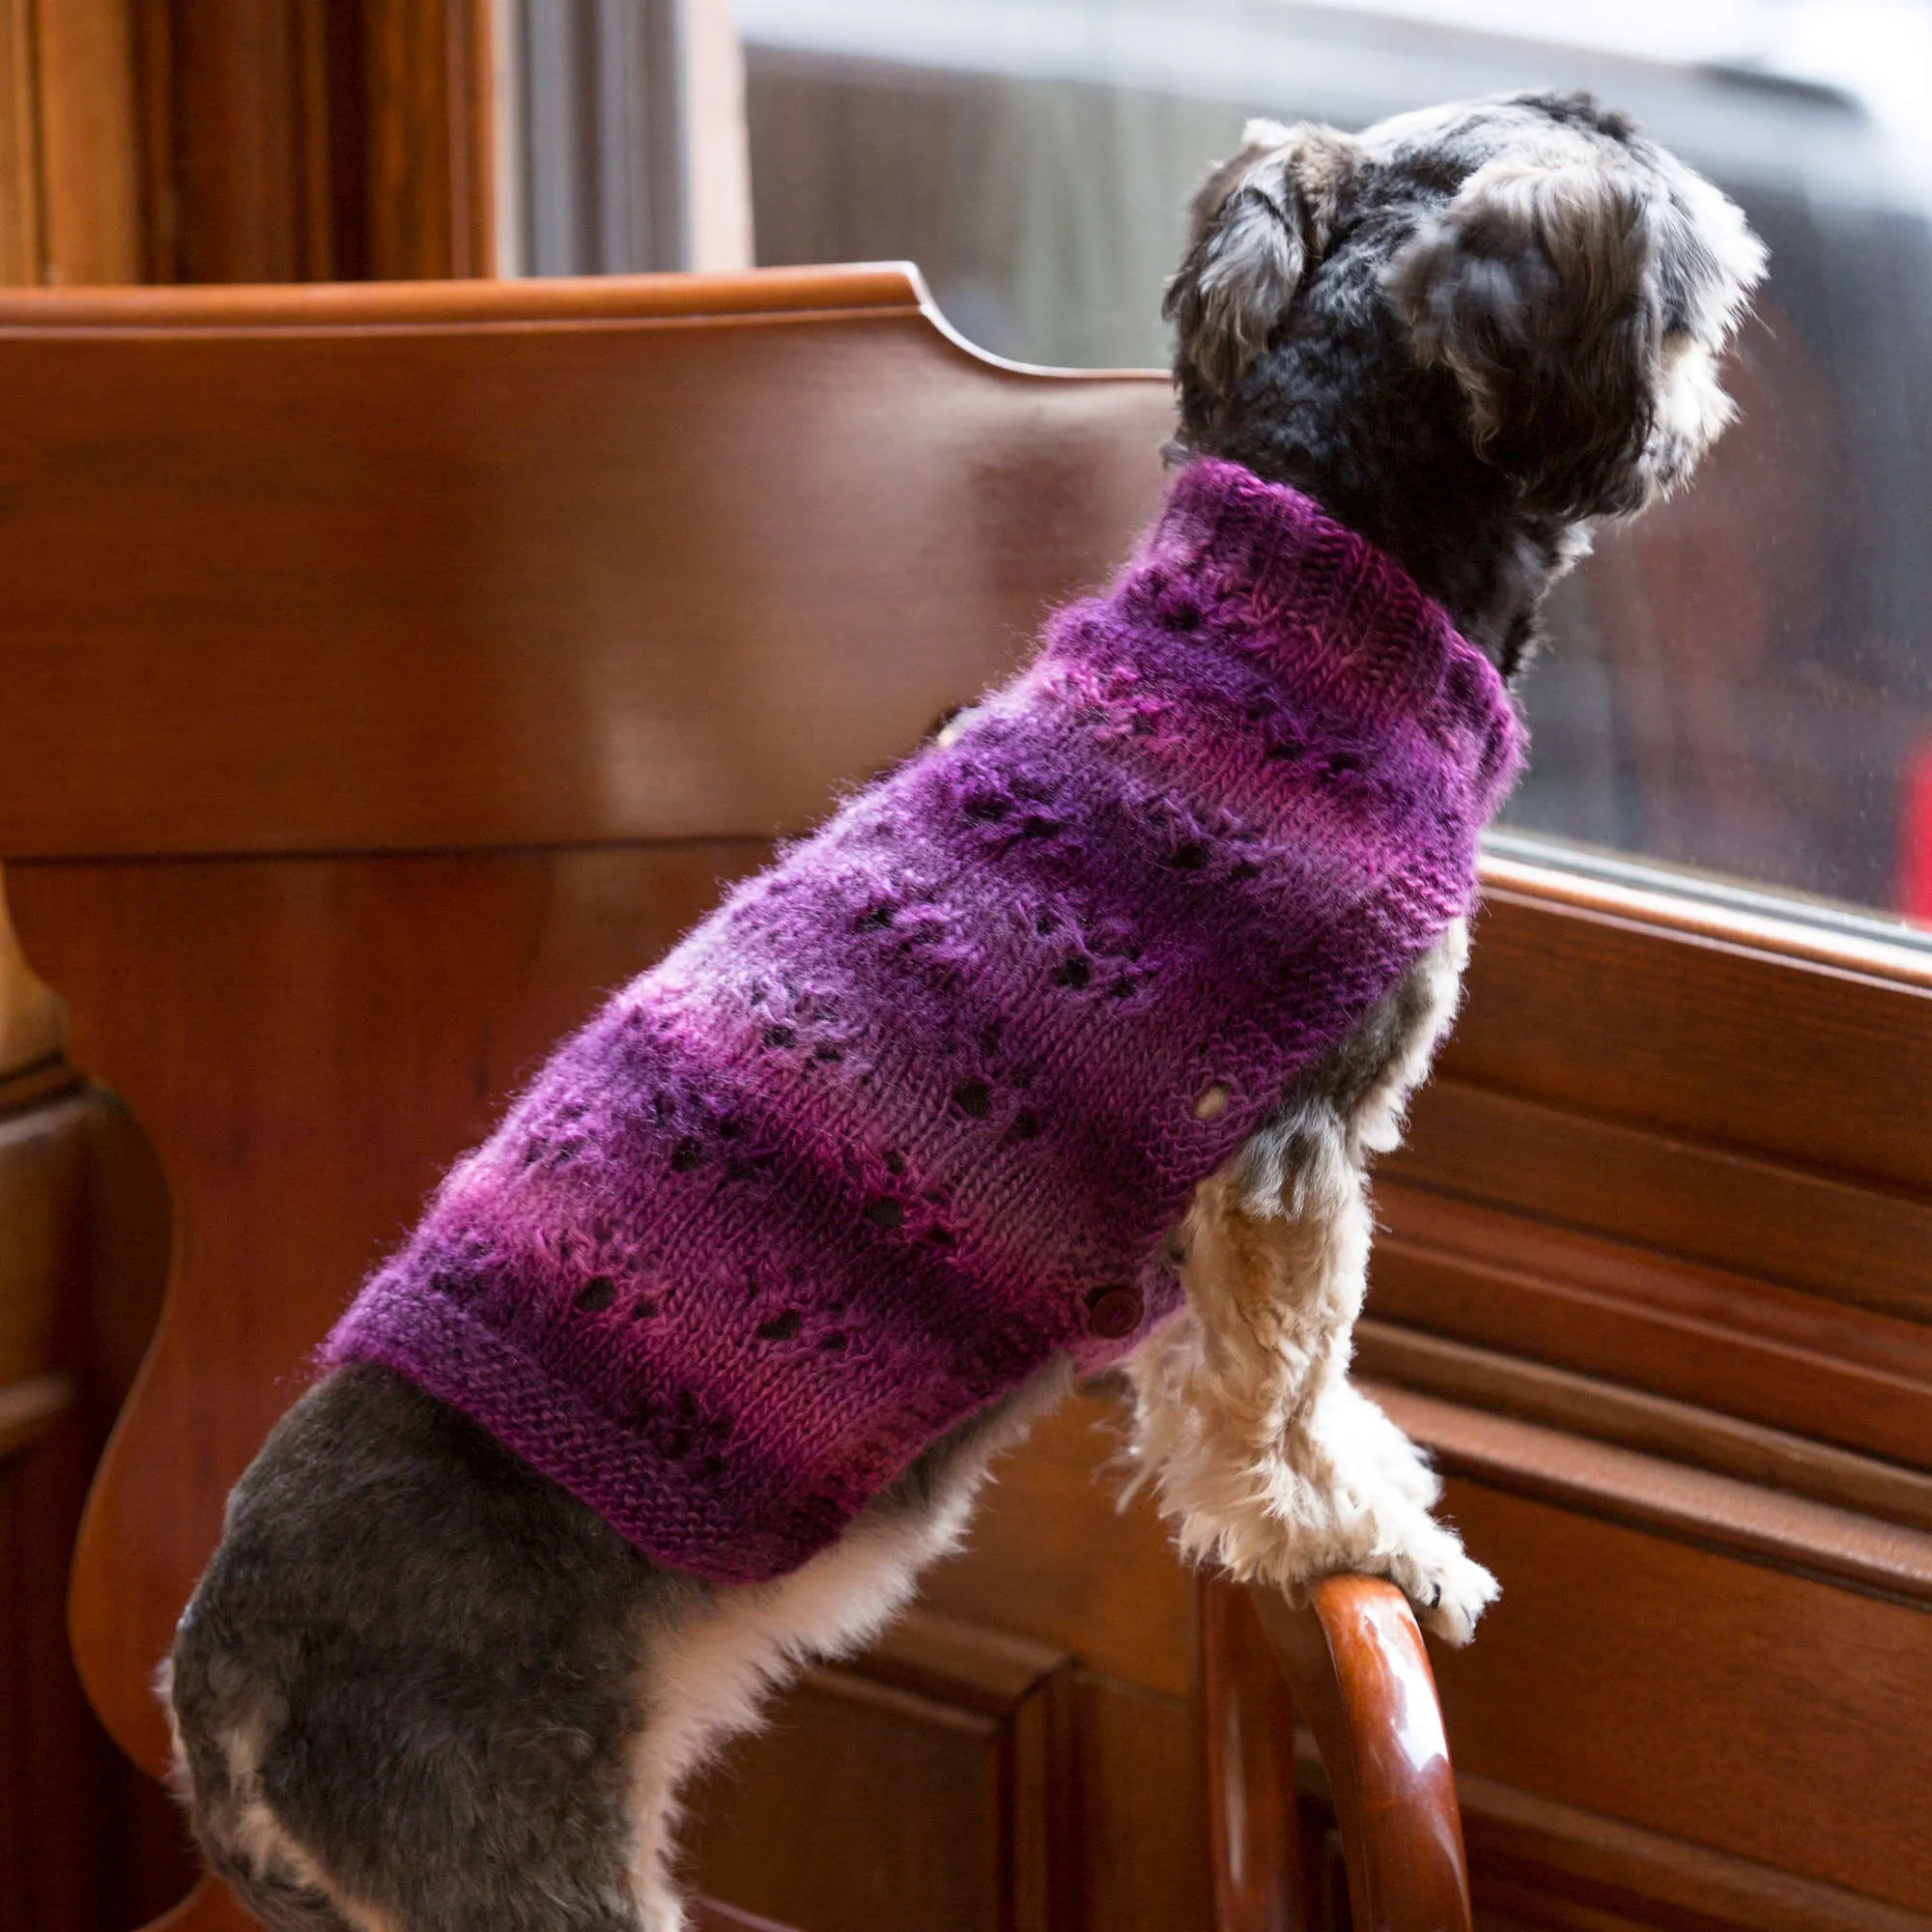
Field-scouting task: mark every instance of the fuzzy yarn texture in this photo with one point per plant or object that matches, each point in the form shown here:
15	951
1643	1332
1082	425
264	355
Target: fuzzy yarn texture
908	1116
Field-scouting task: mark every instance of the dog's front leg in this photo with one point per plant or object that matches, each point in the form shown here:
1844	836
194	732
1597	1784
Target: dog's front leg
1271	1461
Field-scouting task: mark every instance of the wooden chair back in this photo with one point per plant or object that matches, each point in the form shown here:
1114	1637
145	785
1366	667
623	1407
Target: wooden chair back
388	670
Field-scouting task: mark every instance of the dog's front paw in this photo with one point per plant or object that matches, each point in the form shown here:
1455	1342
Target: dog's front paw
1447	1589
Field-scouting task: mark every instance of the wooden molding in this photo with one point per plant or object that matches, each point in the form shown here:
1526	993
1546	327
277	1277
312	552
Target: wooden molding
431	147
1651	1023
70	173
244	104
928	1778
1677	1328
1539	1857
1696	1506
1775	1221
290	141
890	290
1679	1432
1757	926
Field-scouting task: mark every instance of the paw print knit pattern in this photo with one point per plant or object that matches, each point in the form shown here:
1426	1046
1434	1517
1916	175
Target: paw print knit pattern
909	1114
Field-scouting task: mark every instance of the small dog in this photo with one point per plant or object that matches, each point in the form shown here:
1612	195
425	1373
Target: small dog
424	1687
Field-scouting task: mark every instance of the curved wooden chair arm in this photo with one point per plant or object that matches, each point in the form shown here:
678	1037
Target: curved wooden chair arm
1352	1662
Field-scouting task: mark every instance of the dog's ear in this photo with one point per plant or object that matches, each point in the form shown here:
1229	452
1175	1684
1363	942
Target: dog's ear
1535	287
1257	222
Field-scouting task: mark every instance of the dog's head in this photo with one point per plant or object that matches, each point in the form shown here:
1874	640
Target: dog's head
1574	281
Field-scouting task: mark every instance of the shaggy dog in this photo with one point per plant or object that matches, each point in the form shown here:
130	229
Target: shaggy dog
422	1686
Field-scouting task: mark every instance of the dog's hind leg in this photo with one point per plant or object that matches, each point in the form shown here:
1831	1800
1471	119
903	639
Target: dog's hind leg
404	1691
710	1679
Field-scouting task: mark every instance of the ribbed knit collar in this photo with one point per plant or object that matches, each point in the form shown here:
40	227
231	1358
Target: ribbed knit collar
1324	599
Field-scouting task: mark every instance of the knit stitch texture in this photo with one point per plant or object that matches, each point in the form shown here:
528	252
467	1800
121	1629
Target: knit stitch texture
908	1116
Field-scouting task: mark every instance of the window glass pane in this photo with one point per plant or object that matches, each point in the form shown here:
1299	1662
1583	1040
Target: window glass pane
1740	682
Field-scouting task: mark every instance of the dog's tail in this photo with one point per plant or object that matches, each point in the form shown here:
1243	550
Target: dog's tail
216	1774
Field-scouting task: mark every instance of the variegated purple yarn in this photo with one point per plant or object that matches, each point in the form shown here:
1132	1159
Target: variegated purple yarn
908	1116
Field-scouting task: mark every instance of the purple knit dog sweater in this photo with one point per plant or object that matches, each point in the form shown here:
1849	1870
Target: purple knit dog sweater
908	1116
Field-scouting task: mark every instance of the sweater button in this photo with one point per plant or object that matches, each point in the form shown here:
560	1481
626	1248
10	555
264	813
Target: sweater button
1113	1311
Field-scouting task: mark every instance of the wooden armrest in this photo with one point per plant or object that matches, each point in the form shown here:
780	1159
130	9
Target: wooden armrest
1352	1664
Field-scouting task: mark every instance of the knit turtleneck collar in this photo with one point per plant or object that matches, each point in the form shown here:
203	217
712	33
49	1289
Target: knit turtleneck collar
1332	615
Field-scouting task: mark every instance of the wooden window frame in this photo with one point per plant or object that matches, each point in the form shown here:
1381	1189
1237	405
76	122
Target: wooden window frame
1668	1192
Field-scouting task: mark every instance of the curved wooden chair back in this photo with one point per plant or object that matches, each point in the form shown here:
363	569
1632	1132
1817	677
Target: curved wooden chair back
389	669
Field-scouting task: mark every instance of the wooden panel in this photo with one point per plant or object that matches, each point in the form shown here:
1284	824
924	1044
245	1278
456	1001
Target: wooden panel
1792	1225
1762	1715
286	141
1670	1498
1550	1865
20	146
239	101
261	1022
55	1846
69	178
43	1178
75	1302
489	587
1141	1832
908	1789
1733	1044
1505	1384
880	1804
1679	1328
32	1023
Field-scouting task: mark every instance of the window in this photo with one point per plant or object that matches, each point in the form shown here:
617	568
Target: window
1741	683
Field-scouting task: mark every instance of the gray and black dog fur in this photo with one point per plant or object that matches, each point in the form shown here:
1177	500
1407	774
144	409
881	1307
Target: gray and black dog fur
422	1690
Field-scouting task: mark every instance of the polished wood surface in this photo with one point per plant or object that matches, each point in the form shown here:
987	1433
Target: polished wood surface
395	541
287	141
20	155
69	178
82	1256
87	114
946	1749
1248	1720
1358	1674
